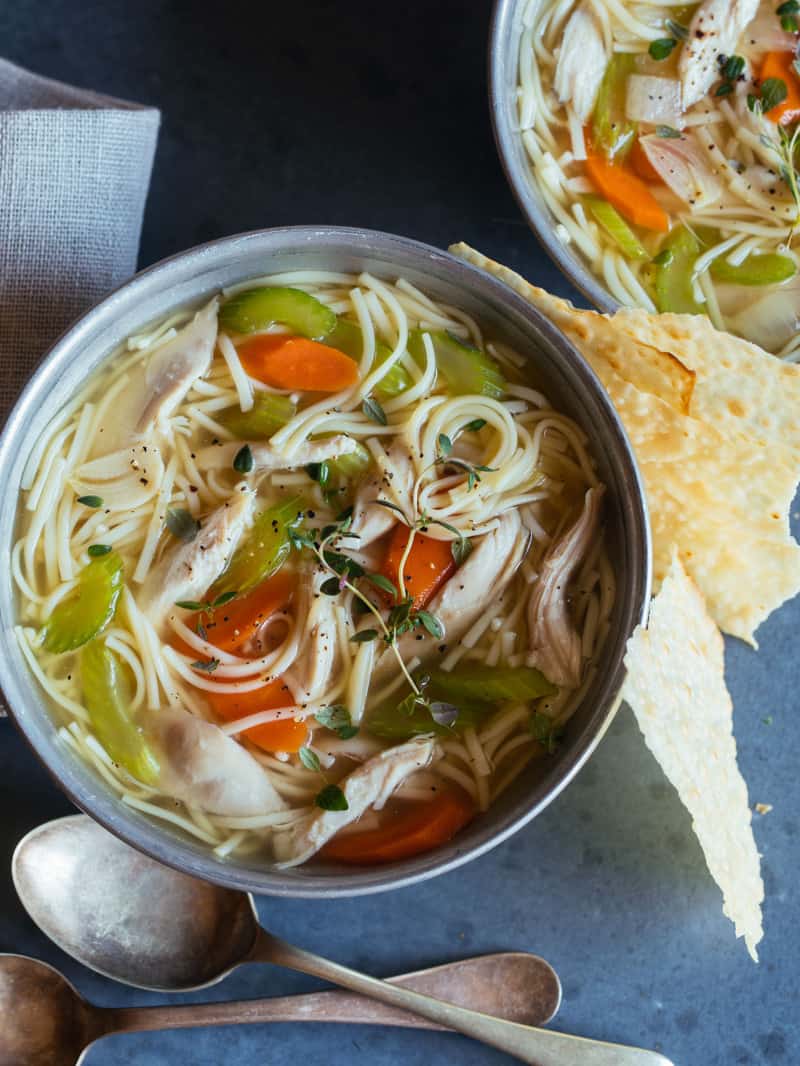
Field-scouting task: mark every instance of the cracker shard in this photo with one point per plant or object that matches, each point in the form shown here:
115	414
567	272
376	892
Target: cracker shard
738	387
677	690
713	422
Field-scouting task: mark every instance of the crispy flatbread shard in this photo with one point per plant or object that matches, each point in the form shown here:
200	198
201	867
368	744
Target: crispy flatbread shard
676	688
718	494
658	433
717	477
725	503
743	577
739	388
659	373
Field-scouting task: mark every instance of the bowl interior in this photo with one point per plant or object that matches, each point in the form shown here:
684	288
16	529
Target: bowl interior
554	367
504	43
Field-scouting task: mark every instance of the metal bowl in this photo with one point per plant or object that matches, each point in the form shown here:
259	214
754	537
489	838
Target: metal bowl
504	38
555	366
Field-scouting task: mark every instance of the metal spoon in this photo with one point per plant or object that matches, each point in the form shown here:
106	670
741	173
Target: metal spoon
137	921
141	923
47	1021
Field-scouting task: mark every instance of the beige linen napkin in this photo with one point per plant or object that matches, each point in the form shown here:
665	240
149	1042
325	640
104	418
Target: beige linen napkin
74	174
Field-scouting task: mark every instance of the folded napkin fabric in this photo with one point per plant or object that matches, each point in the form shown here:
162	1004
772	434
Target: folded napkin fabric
74	173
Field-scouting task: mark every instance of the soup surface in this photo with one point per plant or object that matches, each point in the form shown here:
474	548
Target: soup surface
313	569
663	140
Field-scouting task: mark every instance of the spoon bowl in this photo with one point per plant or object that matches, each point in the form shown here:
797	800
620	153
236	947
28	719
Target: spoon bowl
52	1023
126	916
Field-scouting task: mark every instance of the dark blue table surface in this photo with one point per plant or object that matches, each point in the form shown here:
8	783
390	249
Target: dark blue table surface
375	115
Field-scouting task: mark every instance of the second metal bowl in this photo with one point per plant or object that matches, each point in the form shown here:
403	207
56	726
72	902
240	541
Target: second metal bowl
504	42
553	364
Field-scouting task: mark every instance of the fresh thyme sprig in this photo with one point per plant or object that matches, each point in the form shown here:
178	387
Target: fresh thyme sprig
471	469
787	12
421	520
445	714
785	149
773	92
344	571
206	607
325	545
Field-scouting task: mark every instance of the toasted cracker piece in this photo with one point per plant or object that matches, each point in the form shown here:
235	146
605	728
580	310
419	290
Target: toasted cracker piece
721	496
743	577
739	388
658	432
653	371
676	688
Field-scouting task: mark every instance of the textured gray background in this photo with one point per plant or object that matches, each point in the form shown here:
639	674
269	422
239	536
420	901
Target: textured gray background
375	115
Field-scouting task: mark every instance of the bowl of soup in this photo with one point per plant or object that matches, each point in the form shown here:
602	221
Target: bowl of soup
324	552
652	149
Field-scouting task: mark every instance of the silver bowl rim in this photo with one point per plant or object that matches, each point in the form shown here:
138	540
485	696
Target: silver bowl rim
271	881
512	158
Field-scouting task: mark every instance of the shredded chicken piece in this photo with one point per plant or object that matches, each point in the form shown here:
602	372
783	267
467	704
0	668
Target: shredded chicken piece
187	570
554	641
683	168
770	319
393	481
714	31
311	671
168	375
477	583
582	62
368	786
653	99
209	770
265	457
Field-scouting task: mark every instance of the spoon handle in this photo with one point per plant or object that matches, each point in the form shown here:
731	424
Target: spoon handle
539	1047
509	984
314	1007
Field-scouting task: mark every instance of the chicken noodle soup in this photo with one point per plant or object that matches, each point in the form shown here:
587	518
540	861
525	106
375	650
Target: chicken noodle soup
662	138
313	569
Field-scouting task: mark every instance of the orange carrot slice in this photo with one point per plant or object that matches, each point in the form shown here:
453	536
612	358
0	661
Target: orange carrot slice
627	192
781	65
230	628
285	734
417	829
236	623
297	363
429	564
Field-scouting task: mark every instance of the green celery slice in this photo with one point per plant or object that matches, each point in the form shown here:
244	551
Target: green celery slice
683	14
466	370
351	466
88	608
611	129
269	413
258	309
707	235
390	721
108	694
769	268
490	684
348	338
616	227
262	552
673	279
